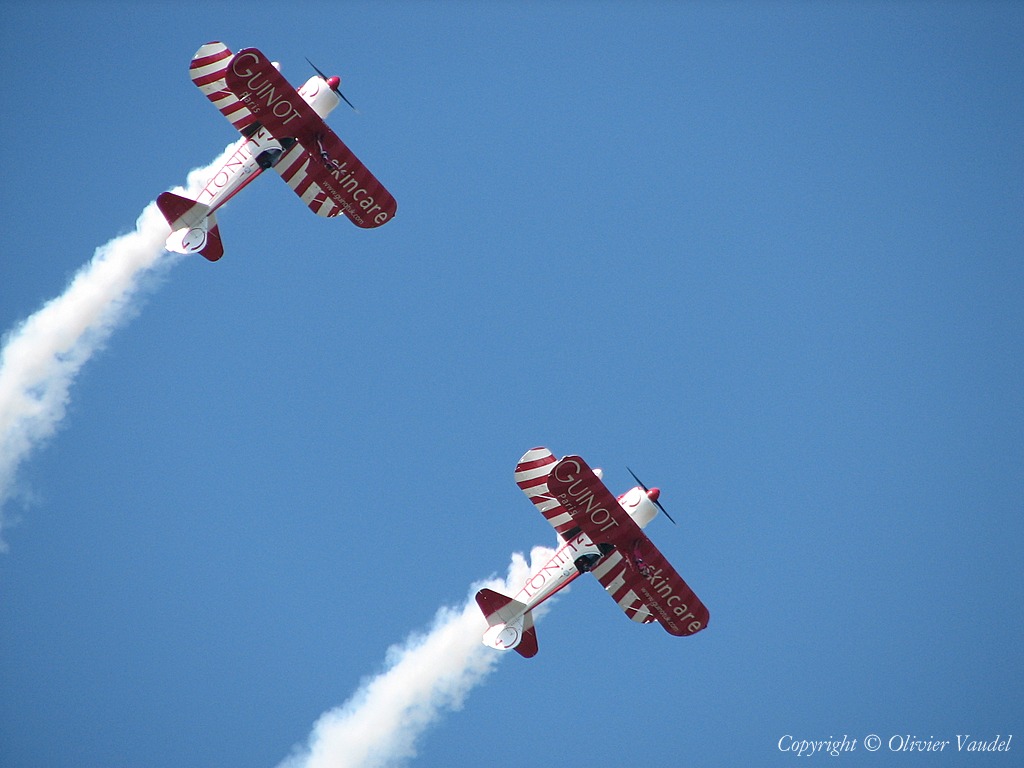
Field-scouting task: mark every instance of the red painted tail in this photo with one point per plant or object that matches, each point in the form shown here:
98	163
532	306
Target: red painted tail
193	226
510	624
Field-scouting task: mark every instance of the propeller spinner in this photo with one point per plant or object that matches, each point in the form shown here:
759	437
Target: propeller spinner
334	83
652	494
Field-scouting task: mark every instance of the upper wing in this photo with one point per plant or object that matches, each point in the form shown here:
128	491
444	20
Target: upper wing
319	167
645	572
532	477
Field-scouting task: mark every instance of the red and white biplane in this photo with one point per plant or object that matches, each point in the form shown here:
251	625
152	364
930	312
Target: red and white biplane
281	129
597	533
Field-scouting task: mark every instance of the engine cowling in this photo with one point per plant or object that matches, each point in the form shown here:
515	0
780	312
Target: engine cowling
638	504
318	94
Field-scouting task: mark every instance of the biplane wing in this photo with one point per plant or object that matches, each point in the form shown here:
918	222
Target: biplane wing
316	164
634	573
532	478
207	70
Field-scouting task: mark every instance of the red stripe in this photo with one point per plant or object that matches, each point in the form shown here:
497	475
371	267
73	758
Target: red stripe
540	480
303	185
212	77
536	463
211	59
288	173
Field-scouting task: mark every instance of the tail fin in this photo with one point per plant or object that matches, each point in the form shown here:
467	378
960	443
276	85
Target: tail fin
193	226
510	623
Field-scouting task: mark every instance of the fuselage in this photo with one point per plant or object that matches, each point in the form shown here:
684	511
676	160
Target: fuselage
577	555
254	153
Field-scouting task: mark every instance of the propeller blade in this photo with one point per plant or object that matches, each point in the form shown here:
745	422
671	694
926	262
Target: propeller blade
670	518
316	69
333	87
346	100
657	503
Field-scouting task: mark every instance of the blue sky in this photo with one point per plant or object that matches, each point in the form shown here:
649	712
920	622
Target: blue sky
769	256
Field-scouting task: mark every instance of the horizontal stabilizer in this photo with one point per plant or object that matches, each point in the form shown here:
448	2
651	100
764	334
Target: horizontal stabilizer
498	608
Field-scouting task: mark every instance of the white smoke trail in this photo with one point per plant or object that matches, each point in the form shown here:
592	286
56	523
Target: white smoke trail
427	675
42	355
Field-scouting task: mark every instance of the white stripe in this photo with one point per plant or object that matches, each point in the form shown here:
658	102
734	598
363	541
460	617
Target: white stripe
609	562
536	490
224	101
535	453
311	192
235	112
628	599
533	474
617	583
541	498
643	615
208	69
559	520
325	209
210	49
545	505
291	158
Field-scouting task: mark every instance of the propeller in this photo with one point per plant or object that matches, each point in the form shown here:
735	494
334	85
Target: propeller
333	82
652	495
